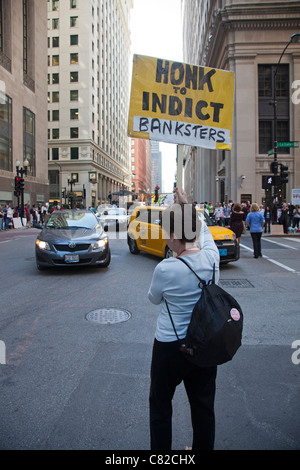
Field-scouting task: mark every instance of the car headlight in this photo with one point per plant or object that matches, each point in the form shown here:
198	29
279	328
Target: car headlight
42	245
100	244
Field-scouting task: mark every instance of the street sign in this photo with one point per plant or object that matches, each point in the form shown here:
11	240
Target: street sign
294	143
270	152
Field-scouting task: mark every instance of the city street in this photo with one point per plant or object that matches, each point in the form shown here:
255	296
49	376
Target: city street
73	383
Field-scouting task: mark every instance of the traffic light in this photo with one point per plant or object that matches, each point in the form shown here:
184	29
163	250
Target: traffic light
21	184
284	174
274	168
156	194
17	183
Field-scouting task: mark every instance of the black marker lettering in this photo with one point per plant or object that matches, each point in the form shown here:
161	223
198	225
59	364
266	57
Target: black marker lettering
177	66
175	106
201	104
160	70
143	125
217	107
161	104
205	79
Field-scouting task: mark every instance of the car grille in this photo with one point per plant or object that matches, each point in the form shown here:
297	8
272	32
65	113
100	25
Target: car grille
81	261
68	249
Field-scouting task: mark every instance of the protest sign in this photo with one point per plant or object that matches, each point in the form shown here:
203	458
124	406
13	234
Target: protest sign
181	103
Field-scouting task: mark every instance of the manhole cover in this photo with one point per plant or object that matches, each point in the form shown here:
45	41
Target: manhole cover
106	316
235	283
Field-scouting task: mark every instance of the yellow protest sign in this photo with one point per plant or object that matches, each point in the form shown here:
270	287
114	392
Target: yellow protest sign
181	103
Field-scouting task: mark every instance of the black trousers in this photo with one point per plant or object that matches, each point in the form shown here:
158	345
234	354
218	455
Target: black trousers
256	239
169	367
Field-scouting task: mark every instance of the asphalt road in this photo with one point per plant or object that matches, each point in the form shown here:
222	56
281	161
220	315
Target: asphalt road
69	383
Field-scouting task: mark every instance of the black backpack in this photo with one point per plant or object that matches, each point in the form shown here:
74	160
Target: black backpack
215	330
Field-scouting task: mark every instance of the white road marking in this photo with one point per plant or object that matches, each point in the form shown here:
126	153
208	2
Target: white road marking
280	244
287	268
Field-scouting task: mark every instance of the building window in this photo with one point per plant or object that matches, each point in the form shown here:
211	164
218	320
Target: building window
25	36
55	78
74	133
73	3
55	5
29	140
55	23
266	112
73	21
74	40
74	153
6	133
55	97
73	114
55	60
73	95
55	133
73	77
55	115
55	41
74	58
55	153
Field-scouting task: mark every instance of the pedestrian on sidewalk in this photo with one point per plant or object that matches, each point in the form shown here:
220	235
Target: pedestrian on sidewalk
256	221
1	217
284	217
174	283
268	217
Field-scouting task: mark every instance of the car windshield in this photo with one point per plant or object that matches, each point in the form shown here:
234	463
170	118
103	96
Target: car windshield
115	212
70	220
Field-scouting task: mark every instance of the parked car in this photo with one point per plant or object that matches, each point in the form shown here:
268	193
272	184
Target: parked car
115	217
145	234
72	237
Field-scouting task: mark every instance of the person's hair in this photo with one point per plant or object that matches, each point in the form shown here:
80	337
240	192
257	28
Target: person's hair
237	207
254	207
181	220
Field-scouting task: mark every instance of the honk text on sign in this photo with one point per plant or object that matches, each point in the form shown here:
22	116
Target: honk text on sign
181	103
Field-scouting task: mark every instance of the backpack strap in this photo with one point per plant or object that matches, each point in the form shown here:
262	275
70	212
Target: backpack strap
202	282
172	320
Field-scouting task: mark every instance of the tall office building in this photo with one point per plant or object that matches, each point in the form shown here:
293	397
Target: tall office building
156	168
88	98
23	98
248	38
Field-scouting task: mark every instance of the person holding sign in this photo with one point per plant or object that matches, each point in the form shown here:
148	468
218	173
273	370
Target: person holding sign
174	283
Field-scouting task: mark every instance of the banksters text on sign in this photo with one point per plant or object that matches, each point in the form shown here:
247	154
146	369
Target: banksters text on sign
181	103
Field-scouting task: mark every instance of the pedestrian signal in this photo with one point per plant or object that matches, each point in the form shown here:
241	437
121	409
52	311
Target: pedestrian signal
284	174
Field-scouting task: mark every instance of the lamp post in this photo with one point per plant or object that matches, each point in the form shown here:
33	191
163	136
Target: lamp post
70	183
294	39
20	173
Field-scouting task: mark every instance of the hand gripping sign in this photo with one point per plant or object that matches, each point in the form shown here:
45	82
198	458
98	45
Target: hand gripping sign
181	103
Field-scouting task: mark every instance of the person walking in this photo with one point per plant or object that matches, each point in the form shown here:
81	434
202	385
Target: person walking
268	217
175	284
296	214
237	218
284	217
256	221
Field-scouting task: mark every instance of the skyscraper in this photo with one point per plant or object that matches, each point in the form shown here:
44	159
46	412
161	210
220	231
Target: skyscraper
88	96
23	98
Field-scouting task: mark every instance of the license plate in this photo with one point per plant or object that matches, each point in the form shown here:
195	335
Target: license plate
223	252
71	258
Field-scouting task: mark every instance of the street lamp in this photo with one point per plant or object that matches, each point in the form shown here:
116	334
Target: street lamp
294	39
20	190
70	183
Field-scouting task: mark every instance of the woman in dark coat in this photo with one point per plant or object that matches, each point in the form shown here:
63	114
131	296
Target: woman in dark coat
237	218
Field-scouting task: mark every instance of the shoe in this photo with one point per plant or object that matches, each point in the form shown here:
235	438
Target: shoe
255	257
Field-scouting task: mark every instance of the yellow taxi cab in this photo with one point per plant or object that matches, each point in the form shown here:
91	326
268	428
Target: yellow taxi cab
145	234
